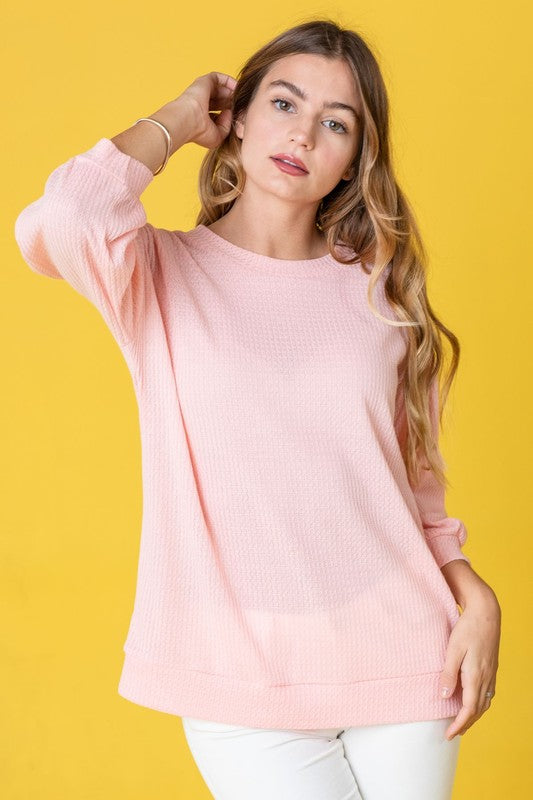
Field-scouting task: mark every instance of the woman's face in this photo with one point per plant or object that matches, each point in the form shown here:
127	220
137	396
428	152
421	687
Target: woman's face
278	120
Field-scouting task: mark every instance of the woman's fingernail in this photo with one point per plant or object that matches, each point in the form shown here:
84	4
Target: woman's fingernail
444	691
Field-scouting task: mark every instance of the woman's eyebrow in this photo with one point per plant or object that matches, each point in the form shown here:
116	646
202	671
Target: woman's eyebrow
303	96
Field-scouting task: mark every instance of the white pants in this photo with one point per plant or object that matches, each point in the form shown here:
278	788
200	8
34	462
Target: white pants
400	761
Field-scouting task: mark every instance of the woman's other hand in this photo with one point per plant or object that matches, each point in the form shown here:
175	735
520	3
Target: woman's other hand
205	96
472	654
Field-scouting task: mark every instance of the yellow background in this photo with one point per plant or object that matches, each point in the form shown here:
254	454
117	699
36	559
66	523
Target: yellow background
459	79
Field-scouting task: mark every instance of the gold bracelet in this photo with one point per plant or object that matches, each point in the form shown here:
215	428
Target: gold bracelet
169	141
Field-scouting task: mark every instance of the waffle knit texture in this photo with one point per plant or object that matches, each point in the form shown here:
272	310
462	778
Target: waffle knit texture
289	574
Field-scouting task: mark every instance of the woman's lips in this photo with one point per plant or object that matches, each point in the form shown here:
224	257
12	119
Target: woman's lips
288	168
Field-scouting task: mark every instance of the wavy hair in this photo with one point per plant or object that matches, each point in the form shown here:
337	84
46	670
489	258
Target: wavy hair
369	214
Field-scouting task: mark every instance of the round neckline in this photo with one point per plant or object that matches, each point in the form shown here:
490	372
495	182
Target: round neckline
308	267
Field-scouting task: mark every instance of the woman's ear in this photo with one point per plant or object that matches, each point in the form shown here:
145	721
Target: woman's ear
348	175
238	125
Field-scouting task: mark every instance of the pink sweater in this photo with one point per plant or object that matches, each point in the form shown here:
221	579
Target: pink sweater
289	576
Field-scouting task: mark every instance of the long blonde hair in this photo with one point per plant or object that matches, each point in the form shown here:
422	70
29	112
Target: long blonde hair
370	214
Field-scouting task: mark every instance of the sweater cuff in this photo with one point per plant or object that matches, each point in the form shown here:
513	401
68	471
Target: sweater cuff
131	172
446	547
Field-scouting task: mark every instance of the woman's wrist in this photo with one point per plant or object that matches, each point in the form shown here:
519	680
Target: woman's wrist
482	599
148	144
467	587
180	119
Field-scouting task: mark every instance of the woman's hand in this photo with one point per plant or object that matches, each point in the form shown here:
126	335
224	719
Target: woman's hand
206	95
473	652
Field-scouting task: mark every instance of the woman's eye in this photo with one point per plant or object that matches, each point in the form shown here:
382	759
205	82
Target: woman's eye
337	123
343	128
279	100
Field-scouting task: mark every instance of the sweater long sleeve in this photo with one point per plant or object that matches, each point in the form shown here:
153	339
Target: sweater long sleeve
289	574
445	535
90	228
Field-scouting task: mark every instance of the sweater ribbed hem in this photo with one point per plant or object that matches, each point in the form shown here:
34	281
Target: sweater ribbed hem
219	698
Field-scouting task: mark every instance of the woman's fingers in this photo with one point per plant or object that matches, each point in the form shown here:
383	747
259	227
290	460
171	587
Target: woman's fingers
212	93
222	90
219	103
475	703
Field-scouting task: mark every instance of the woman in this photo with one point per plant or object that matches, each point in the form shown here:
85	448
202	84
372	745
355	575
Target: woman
298	574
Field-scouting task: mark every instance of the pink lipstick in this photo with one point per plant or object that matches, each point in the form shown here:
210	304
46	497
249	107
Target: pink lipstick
290	164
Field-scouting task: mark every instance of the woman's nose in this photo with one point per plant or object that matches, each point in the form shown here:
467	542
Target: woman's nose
302	134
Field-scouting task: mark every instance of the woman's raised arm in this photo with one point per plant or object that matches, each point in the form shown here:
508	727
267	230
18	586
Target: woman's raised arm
89	226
